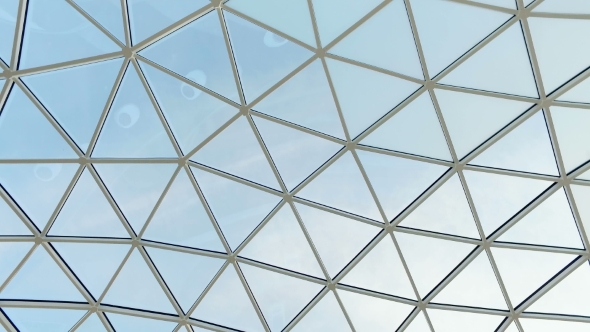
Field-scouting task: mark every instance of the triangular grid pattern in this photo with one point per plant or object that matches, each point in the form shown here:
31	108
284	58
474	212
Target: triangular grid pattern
245	164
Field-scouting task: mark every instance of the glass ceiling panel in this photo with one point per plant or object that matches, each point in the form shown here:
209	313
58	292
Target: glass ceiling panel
286	165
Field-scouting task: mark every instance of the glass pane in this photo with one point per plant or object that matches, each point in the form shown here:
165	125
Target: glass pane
198	52
502	66
497	198
237	208
91	324
295	153
415	129
453	321
40	320
125	323
132	128
381	270
11	254
25	133
106	13
337	239
445	211
369	313
136	287
76	96
181	218
572	134
280	297
385	40
146	17
8	12
262	57
326	315
526	148
10	223
582	197
306	100
366	95
430	259
551	224
87	213
544	325
288	16
281	242
475	286
419	324
228	304
342	186
237	151
186	275
580	93
398	181
56	32
564	6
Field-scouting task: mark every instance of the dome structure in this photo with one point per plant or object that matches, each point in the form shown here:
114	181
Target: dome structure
295	165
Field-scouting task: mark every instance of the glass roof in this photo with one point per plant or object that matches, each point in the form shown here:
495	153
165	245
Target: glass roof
305	165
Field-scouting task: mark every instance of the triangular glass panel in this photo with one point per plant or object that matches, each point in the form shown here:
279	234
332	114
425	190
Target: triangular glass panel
37	188
94	264
237	151
148	17
41	279
381	270
527	148
385	40
76	96
237	208
502	3
429	259
124	323
136	287
337	239
135	187
398	181
369	313
550	224
419	324
198	52
106	13
326	315
531	324
306	100
471	119
335	16
584	176
560	59
501	66
497	198
132	128
42	320
572	135
55	26
192	117
475	286
580	93
444	38
563	7
10	223
11	254
281	242
524	271
582	196
288	16
295	153
87	213
8	12
569	296
280	297
445	211
366	95
26	134
91	324
342	186
228	304
181	218
262	58
512	328
415	130
456	321
186	275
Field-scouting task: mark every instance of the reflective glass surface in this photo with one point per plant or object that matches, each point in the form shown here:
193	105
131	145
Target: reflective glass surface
294	165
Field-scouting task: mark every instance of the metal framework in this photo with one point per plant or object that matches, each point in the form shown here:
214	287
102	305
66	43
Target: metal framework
390	228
